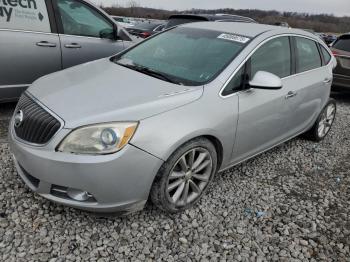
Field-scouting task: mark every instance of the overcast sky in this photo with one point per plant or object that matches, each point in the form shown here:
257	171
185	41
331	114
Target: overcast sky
336	7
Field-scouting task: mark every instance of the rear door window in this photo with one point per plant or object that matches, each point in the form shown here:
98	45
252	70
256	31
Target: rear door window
308	56
30	15
326	55
343	43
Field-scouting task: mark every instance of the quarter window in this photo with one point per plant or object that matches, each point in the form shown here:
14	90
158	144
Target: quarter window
79	19
273	57
236	83
28	15
308	56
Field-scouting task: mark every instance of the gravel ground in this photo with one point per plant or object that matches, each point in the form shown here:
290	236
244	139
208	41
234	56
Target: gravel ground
290	204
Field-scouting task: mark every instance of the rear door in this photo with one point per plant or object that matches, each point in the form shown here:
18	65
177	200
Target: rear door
86	33
311	85
29	45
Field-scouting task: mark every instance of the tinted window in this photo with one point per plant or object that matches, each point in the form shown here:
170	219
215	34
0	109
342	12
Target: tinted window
308	56
326	56
194	56
30	15
235	83
343	43
79	19
273	57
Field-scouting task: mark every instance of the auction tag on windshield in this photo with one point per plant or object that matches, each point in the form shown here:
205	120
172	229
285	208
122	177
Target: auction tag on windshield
235	38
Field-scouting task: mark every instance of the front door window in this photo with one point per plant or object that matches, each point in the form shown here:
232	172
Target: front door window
80	19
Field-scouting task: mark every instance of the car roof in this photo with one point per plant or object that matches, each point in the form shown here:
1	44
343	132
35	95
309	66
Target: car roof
245	29
213	17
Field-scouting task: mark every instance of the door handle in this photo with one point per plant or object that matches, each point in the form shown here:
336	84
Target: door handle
46	44
291	94
327	80
72	45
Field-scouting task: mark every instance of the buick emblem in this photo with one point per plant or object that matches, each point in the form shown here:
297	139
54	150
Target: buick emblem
19	117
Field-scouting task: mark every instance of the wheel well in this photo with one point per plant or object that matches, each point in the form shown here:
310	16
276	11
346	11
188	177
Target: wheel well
218	146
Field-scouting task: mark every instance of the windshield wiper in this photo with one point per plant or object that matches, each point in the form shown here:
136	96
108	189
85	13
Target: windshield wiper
151	72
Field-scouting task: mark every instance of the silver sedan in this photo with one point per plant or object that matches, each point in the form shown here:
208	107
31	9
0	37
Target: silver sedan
160	119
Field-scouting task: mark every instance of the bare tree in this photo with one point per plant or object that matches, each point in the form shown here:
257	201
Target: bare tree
319	23
133	6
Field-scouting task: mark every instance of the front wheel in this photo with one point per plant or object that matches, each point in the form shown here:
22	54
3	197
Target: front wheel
184	178
323	123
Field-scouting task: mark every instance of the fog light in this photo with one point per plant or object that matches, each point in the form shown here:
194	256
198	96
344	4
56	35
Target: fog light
78	195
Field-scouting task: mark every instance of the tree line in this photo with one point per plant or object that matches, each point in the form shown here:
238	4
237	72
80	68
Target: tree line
318	23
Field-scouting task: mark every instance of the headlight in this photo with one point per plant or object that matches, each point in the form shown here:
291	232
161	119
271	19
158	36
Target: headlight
98	139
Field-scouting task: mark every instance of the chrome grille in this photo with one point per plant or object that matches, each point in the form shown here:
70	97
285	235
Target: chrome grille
37	126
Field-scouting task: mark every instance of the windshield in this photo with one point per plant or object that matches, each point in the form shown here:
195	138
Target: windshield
190	56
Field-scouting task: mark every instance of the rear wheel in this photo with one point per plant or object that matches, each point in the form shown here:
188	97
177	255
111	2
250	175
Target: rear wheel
185	177
324	122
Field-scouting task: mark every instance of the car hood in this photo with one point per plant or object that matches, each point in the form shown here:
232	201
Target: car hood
102	91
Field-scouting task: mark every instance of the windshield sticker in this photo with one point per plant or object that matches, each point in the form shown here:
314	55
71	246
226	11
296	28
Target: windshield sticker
235	38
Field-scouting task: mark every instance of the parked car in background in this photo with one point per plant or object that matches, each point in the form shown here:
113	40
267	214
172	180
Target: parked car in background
147	29
142	125
283	24
50	36
175	20
322	36
124	21
329	39
309	30
341	50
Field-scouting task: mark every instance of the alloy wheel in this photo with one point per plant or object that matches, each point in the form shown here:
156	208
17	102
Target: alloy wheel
326	121
189	176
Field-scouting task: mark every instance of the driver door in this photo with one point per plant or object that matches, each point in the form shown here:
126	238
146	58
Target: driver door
85	33
264	114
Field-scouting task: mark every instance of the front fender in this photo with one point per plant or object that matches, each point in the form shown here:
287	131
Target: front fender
162	134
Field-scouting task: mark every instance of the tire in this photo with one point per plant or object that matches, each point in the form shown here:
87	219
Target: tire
325	120
190	169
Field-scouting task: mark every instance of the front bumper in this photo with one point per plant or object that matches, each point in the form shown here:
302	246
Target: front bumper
117	182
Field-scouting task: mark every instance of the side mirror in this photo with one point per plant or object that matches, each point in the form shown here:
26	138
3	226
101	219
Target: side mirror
265	80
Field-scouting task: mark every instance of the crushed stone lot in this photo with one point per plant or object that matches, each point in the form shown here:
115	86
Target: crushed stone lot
289	204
